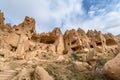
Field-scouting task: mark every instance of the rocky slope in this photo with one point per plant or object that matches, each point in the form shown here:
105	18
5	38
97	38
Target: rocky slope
74	55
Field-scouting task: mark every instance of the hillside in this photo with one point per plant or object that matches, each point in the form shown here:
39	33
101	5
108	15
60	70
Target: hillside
74	55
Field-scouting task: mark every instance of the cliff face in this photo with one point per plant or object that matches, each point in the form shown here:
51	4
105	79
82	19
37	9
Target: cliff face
20	40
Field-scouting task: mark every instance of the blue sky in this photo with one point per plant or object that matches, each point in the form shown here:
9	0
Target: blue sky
103	15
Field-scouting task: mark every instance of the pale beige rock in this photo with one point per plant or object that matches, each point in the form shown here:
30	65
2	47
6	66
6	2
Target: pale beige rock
52	49
30	55
112	68
13	39
41	74
56	38
90	55
61	58
21	44
76	41
81	66
59	40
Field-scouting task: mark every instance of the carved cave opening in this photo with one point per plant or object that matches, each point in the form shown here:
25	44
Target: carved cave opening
47	39
13	48
73	42
110	42
91	46
99	43
76	48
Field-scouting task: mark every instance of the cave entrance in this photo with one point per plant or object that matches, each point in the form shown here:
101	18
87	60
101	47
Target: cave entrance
13	48
76	48
110	42
91	46
99	43
47	39
73	42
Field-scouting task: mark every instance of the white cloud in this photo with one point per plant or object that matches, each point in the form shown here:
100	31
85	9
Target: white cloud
107	23
42	10
66	14
91	13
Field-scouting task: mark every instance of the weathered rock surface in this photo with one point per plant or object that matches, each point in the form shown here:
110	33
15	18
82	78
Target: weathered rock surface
112	68
60	58
74	42
23	38
64	56
81	66
41	74
1	19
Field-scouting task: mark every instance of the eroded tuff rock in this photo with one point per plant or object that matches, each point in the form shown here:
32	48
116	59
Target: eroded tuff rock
23	37
91	50
97	40
55	37
41	74
112	68
75	41
1	19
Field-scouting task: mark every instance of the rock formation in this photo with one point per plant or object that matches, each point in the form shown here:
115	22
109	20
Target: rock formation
112	68
75	41
90	50
54	38
23	37
42	74
1	19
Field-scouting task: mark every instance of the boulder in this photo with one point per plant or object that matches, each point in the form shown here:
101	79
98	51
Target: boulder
112	68
41	74
81	66
60	58
91	55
